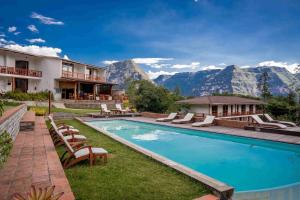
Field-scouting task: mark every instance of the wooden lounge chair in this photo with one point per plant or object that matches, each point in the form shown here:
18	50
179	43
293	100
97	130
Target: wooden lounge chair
70	135
62	129
120	109
104	109
209	119
267	124
171	117
60	125
270	119
80	153
187	118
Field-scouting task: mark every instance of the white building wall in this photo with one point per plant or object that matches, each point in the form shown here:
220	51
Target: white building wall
4	84
199	109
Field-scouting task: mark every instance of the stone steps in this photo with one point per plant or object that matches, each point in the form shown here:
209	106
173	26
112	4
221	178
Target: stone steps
27	122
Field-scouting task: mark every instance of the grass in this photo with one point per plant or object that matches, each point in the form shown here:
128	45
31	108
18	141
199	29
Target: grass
128	175
69	110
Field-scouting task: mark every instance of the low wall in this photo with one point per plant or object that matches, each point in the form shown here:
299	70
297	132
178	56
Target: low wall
10	120
153	115
89	105
232	123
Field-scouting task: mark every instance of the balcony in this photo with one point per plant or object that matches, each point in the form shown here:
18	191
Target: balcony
82	76
20	72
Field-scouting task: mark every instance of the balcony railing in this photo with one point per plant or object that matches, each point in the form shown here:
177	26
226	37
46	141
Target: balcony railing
82	76
228	114
21	72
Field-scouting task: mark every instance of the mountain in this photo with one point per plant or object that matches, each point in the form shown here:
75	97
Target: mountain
120	72
231	79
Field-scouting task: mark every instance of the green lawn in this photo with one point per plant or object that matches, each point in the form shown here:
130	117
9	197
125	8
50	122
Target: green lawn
128	175
69	110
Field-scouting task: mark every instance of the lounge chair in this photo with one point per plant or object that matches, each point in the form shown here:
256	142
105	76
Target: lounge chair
119	108
171	117
63	129
60	125
187	118
72	136
262	123
81	153
104	109
209	119
270	119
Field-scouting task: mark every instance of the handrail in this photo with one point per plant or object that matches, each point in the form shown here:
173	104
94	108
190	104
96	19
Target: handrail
21	72
82	76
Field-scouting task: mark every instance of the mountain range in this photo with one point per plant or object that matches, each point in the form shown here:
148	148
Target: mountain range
231	79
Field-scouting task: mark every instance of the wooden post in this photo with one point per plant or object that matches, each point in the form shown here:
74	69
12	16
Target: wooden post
13	84
49	99
75	91
94	91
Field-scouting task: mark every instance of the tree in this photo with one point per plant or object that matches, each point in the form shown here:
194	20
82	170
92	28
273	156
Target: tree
263	86
145	96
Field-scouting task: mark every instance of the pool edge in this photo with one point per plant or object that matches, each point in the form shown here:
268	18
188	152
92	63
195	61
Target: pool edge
223	190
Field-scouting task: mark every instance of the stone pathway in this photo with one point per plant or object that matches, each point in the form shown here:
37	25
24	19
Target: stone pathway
33	161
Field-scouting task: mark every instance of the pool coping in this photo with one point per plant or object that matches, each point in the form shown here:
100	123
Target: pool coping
221	189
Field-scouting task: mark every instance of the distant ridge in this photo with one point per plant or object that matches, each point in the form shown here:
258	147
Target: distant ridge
231	79
120	72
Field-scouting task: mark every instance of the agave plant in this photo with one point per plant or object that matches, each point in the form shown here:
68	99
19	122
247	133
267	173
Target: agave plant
40	194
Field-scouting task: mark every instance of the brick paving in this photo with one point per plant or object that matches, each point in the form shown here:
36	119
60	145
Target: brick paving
33	161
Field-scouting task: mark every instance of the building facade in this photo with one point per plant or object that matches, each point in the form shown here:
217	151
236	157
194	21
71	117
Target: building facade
222	106
66	79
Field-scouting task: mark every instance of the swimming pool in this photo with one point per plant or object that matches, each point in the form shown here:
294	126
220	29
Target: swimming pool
244	163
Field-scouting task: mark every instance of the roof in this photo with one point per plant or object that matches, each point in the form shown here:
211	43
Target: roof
42	56
215	100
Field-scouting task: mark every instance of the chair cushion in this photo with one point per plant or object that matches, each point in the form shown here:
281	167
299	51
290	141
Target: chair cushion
78	137
59	127
71	129
85	152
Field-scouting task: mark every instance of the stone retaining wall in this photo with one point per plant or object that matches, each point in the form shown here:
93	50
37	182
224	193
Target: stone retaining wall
153	115
10	120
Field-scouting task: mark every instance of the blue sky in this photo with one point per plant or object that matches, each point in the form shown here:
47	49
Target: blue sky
163	36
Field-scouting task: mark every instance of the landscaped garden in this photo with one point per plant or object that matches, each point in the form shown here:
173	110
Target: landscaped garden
127	175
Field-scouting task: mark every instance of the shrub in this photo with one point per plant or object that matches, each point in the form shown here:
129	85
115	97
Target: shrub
1	107
39	111
6	144
21	96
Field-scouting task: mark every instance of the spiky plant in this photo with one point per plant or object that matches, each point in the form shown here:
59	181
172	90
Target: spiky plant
40	194
1	107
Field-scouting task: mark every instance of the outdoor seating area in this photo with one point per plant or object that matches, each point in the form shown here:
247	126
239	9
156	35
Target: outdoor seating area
115	110
75	147
241	121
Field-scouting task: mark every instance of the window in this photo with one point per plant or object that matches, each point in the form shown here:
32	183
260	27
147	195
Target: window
214	110
243	109
67	67
251	109
225	110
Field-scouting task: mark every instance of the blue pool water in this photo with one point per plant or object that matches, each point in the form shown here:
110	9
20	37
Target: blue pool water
244	163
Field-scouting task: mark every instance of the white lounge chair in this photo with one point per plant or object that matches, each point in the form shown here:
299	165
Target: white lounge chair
270	119
167	119
209	119
68	135
104	109
82	153
59	125
262	123
119	108
187	118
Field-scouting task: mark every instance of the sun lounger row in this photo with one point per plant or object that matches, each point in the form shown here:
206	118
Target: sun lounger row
74	144
187	119
209	120
119	108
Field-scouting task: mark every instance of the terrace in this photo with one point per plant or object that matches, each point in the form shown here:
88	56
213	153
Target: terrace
82	76
16	72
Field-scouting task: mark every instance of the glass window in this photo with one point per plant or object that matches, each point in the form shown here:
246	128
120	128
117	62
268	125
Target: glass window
67	67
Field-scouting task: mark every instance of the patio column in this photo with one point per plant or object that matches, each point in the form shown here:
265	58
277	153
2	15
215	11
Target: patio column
75	91
94	90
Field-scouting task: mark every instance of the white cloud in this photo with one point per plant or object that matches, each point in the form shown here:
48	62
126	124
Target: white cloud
150	61
222	64
46	20
210	67
108	62
154	75
33	49
36	40
193	65
290	67
12	29
2	35
245	66
4	42
17	33
33	28
66	57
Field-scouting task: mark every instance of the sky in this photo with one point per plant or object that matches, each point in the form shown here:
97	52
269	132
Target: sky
163	36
